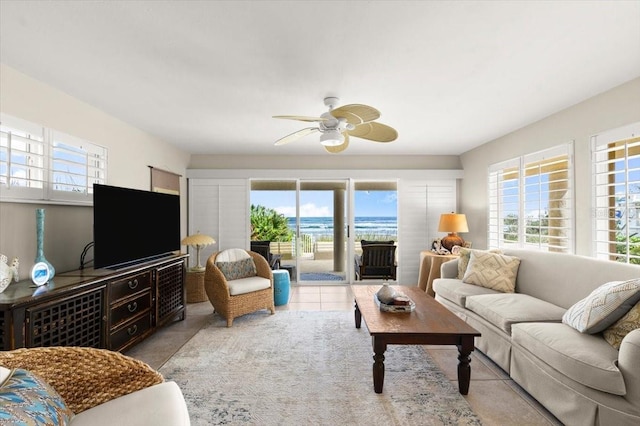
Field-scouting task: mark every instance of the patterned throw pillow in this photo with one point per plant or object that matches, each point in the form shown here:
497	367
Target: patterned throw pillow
239	269
465	255
26	399
625	325
604	306
492	270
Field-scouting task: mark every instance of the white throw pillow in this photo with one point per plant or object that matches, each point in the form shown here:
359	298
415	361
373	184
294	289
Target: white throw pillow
492	270
604	306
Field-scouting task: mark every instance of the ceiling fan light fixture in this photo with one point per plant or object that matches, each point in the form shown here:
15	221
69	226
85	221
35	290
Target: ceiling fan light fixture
331	138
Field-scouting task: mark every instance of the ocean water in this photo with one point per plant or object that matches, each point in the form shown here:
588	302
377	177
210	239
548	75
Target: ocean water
372	225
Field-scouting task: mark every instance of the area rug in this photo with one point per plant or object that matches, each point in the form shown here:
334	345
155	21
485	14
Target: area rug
319	276
308	368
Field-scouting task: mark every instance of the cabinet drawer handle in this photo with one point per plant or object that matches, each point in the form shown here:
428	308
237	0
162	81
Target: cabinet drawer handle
133	284
132	306
132	330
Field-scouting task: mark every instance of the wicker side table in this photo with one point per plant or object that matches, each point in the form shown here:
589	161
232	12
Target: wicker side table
195	287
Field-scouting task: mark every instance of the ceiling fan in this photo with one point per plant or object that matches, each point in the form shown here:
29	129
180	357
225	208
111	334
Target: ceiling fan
338	124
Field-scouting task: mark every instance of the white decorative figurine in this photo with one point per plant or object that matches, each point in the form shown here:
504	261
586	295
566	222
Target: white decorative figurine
437	247
8	272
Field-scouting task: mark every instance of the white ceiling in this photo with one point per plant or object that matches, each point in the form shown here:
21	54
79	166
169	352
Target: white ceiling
209	75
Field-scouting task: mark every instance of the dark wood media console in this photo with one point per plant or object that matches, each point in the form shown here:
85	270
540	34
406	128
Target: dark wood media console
100	308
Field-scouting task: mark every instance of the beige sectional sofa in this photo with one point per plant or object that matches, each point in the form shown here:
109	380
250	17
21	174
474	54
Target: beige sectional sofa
579	377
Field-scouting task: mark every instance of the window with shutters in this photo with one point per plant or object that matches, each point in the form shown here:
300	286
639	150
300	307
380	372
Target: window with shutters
40	164
531	201
616	197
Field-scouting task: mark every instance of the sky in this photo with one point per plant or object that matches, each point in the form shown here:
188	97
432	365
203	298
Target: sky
320	203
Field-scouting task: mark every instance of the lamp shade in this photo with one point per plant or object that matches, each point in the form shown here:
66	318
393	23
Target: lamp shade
198	241
452	223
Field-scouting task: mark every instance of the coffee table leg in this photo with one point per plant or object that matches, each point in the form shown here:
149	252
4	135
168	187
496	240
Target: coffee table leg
464	370
378	364
358	316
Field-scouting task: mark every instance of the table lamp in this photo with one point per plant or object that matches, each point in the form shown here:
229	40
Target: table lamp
452	223
198	241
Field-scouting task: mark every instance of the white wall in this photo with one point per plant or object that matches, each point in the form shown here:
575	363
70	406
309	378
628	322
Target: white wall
609	110
69	228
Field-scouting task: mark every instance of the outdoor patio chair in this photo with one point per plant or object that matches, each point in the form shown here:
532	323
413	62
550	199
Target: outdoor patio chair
378	261
264	248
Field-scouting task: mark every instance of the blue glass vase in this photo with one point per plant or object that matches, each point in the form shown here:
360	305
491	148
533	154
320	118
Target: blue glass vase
40	242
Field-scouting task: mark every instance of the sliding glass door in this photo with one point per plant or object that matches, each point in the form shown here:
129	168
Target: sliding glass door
322	232
308	224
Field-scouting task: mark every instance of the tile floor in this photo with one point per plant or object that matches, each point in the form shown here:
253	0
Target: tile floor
495	398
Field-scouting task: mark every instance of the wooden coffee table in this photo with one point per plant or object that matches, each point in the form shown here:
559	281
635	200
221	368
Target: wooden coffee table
429	324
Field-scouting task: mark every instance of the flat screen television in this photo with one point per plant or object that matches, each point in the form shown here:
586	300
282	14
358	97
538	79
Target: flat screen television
131	226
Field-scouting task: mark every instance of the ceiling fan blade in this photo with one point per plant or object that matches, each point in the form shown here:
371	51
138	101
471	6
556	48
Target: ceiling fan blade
297	135
300	118
356	113
376	132
338	148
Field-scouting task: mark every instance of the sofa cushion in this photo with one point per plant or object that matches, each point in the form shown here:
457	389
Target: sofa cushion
238	269
505	309
604	306
457	291
161	404
465	255
585	358
492	270
26	399
248	285
625	325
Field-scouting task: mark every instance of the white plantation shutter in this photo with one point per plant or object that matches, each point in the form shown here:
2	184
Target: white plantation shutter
504	204
420	204
76	165
616	194
531	201
22	159
219	208
41	164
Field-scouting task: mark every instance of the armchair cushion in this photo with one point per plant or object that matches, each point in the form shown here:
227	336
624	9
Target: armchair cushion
248	285
25	398
231	255
239	269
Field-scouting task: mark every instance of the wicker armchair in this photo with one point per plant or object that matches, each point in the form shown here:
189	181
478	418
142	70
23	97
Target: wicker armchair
230	307
84	377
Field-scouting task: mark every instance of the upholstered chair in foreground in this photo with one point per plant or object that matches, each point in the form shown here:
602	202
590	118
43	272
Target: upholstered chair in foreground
238	282
85	386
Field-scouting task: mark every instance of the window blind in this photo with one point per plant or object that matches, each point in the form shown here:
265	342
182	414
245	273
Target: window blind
22	159
531	201
616	194
41	164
